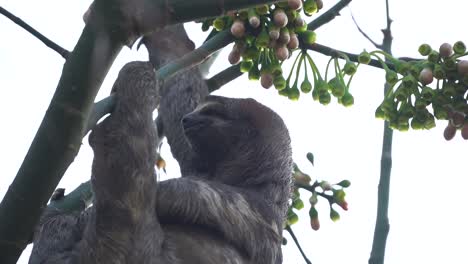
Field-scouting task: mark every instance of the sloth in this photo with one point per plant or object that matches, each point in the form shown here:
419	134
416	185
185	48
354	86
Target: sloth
230	203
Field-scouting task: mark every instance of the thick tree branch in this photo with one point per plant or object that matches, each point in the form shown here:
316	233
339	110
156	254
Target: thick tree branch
49	43
329	15
223	77
382	225
288	228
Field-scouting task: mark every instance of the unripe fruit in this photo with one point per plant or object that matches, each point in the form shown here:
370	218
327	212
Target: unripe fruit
219	24
464	131
302	178
238	28
245	66
334	215
293	42
306	86
445	50
324	98
254	74
284	37
309	37
300	25
449	132
282	53
462	67
295	4
310	7
266	80
364	57
425	49
262	9
350	68
280	18
347	99
425	76
391	77
344	183
310	157
294	94
234	56
433	56
459	47
279	82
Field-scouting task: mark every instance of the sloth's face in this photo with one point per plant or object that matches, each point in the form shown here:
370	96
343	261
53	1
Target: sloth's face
214	131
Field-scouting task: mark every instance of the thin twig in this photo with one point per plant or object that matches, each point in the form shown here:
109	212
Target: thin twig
288	228
49	43
377	45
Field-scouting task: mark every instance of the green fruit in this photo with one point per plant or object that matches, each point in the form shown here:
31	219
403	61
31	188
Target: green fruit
344	183
306	86
347	99
364	57
334	215
262	9
245	66
250	53
308	37
313	213
325	98
263	39
292	218
391	77
338	88
310	157
379	113
310	7
425	49
219	23
459	48
254	74
279	82
350	68
433	56
298	204
294	94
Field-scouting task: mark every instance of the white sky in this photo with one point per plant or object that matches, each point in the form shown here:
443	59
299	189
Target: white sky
427	216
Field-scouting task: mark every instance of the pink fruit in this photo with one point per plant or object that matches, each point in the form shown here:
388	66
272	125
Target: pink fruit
445	50
425	76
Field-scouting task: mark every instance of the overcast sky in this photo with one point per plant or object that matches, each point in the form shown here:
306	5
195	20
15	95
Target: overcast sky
428	189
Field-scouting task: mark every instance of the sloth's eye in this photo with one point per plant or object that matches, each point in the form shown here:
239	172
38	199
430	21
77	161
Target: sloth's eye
214	111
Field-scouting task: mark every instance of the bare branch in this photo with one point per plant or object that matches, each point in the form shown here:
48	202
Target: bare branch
49	43
225	76
379	46
329	15
290	231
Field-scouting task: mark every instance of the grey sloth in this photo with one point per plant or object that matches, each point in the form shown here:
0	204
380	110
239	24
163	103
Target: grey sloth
228	206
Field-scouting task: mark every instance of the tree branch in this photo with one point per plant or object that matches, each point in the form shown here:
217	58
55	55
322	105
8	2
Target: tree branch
382	225
377	45
329	15
288	228
49	43
225	76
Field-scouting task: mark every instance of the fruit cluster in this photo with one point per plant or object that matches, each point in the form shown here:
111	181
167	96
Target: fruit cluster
266	35
406	103
334	193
